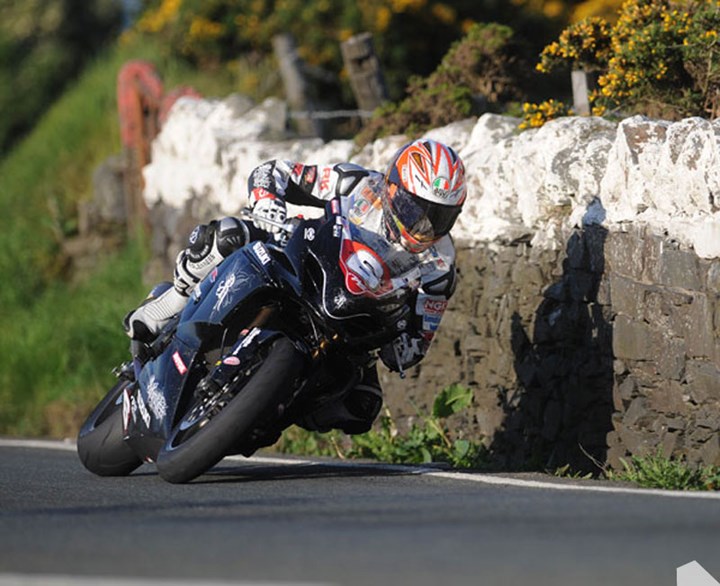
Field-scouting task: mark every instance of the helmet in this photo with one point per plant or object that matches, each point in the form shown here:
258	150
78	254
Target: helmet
424	193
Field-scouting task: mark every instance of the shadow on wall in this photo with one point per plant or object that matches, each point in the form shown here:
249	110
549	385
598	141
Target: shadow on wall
561	411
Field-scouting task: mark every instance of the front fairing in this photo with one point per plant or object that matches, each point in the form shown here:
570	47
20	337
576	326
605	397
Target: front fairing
342	289
166	382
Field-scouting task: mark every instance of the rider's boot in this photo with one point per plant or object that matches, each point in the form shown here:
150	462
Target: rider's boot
158	308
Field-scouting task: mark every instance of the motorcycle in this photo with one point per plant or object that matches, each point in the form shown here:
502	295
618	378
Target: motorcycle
277	330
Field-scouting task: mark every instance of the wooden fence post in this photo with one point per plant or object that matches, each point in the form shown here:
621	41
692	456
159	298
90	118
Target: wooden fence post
294	81
363	66
581	84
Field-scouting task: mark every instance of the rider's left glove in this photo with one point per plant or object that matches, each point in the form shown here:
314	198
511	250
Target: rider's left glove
267	206
403	352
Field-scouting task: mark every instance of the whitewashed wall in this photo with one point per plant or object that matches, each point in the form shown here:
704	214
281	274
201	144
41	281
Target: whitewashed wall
537	183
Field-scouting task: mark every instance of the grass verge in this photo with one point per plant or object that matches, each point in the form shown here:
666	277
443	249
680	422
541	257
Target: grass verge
59	340
428	440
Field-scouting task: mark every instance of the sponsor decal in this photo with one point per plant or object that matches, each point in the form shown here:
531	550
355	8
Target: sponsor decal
435	306
129	409
179	364
231	361
340	300
196	294
310	175
431	324
441	187
144	413
248	339
234	280
225	287
261	193
325	180
365	272
158	405
359	210
213	275
261	252
297	172
194	235
309	234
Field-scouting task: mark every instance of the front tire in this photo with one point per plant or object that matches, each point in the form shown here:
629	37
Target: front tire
100	443
195	446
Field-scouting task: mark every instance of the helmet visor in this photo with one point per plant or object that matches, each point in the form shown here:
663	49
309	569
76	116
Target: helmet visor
423	220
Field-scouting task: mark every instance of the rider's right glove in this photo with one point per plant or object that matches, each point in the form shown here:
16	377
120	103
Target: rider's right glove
267	206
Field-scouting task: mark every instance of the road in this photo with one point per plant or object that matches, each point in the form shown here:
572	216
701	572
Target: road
291	522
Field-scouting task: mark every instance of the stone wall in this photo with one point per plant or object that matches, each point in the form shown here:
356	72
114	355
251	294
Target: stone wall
608	348
587	317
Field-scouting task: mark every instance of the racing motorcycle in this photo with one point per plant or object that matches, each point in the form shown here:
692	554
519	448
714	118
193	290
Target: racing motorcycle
278	329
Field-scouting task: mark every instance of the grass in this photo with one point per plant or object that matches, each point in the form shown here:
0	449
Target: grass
657	471
56	356
58	341
427	441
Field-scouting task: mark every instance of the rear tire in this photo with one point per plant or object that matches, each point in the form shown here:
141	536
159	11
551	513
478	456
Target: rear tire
100	443
188	454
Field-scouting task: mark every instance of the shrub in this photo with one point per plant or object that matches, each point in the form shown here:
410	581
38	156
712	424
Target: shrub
481	66
660	58
221	31
535	115
426	441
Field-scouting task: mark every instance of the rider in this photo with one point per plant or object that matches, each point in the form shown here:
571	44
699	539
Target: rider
404	216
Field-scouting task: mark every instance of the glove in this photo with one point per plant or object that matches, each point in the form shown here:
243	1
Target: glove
272	208
403	352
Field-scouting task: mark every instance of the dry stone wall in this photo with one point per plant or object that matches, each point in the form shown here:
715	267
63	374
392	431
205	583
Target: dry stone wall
607	348
587	318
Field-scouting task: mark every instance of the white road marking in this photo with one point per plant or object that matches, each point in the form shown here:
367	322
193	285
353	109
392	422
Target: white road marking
479	477
59	580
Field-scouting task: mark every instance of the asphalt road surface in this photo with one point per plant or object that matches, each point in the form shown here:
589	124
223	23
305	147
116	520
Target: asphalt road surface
293	522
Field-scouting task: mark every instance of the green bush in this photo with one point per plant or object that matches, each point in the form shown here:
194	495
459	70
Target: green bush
410	36
426	441
479	72
660	58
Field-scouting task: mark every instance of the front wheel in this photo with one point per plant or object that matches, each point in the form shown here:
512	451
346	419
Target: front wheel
206	433
100	443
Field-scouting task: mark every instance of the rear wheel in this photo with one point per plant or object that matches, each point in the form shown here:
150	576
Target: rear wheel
100	442
214	425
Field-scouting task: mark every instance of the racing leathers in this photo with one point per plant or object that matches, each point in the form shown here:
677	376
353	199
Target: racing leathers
355	193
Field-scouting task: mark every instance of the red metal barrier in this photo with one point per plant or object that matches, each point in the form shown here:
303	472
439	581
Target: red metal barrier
142	107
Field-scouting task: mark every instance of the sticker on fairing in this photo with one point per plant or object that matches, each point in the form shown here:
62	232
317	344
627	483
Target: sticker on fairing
157	402
261	252
179	364
129	410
